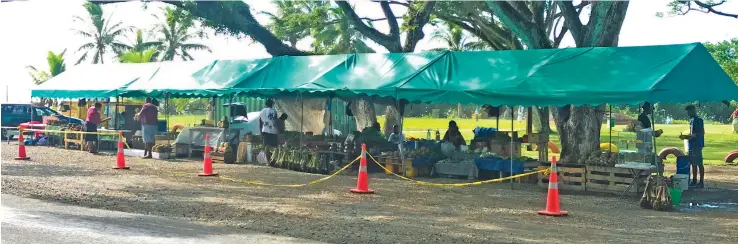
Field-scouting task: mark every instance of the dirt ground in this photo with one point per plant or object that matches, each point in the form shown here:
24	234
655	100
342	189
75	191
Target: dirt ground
400	212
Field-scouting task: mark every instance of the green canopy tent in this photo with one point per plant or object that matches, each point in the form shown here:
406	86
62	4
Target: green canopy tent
613	75
175	78
92	81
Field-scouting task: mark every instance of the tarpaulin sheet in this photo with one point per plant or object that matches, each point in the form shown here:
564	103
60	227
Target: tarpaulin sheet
616	75
92	81
542	77
177	79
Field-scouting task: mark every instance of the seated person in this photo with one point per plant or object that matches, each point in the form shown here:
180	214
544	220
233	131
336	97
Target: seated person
373	131
453	135
396	137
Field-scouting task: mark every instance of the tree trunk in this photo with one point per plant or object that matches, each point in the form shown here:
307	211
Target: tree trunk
392	117
363	113
579	131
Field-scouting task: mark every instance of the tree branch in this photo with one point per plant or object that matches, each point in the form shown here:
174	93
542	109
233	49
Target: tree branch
532	35
393	2
363	19
558	38
572	21
392	44
233	17
604	32
710	8
391	19
416	22
471	29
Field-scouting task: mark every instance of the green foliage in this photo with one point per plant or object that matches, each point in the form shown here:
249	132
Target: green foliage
726	54
177	29
455	39
133	56
329	27
56	66
140	44
102	35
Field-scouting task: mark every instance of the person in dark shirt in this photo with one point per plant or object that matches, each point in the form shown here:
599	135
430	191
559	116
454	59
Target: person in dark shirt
453	135
696	142
643	117
645	120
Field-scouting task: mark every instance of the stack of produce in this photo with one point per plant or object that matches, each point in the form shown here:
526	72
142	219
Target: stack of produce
600	158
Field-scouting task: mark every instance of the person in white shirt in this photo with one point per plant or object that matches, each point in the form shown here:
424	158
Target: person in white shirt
396	137
268	124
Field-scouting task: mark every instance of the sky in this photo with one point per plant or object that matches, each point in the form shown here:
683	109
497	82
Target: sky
29	29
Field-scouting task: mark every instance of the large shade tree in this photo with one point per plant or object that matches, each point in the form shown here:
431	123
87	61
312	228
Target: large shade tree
578	126
102	34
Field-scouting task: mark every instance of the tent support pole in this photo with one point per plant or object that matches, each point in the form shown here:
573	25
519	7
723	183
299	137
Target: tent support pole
512	143
302	117
653	134
610	124
117	102
166	115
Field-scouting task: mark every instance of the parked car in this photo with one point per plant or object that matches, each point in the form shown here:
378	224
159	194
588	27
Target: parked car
15	114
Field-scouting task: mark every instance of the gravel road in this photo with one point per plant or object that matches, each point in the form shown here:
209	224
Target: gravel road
400	212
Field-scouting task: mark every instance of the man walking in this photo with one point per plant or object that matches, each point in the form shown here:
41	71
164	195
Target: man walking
149	124
696	141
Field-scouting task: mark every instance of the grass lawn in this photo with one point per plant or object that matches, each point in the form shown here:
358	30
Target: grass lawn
185	119
719	139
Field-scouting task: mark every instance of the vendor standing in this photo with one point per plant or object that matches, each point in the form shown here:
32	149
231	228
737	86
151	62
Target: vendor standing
93	119
453	135
696	142
149	124
268	125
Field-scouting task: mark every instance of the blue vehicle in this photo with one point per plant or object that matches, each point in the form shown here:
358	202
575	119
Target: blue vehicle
15	114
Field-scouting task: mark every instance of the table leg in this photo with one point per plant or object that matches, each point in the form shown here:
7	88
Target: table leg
636	176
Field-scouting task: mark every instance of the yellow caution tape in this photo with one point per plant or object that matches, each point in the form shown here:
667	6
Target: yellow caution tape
544	171
248	182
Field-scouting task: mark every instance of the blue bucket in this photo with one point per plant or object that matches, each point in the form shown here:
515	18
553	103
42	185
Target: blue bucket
682	165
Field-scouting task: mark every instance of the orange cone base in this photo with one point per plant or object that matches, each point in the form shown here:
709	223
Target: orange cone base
122	168
204	174
23	158
555	214
367	191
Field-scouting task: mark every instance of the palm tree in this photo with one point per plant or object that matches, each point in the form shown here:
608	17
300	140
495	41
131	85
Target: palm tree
455	39
175	29
140	45
133	56
56	66
101	34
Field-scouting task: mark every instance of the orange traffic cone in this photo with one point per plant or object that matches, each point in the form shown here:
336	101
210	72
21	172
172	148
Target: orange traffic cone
207	166
552	202
21	146
362	184
120	161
